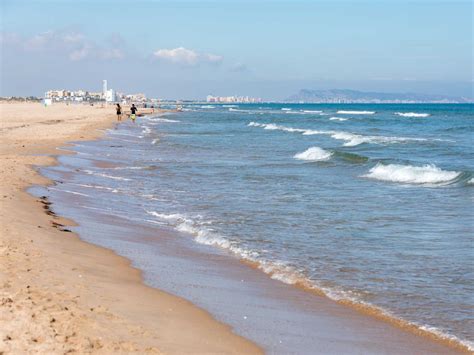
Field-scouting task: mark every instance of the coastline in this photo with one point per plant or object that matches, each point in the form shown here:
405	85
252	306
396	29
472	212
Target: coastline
111	266
62	294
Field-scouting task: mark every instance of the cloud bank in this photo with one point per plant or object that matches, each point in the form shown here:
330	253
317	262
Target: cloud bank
186	57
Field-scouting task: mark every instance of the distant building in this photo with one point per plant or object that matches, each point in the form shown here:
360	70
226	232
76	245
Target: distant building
104	88
232	99
110	96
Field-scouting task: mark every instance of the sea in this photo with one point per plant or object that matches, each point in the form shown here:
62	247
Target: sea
370	205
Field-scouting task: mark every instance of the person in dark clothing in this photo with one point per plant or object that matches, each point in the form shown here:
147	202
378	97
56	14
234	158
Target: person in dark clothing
119	112
133	111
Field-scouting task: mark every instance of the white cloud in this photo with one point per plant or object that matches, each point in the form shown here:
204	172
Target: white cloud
70	44
79	54
186	56
211	58
179	55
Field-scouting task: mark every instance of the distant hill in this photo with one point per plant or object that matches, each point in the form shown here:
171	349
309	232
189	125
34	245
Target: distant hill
354	96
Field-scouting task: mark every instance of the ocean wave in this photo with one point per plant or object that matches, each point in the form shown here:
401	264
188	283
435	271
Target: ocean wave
312	111
90	172
230	106
289	274
470	181
208	106
408	174
350	139
98	187
412	114
286	109
69	192
154	141
351	157
164	120
342	112
237	110
314	154
338	119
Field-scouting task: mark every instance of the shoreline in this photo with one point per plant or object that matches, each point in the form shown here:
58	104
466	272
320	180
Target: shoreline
60	293
138	276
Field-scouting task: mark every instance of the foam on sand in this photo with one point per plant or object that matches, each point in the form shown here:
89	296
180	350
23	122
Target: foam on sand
314	154
412	114
408	174
342	112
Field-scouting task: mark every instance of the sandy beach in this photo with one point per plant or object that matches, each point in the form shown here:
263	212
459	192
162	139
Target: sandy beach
60	294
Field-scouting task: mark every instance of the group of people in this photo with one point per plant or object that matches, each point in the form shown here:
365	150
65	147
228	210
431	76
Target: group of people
133	112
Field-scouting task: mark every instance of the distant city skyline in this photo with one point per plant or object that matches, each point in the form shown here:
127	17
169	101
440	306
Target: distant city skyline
267	49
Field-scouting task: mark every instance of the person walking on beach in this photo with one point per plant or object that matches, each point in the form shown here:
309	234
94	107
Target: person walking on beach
119	112
133	111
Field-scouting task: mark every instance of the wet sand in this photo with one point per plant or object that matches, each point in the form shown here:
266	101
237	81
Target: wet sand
59	293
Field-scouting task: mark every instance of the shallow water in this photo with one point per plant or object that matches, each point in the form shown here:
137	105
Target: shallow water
369	203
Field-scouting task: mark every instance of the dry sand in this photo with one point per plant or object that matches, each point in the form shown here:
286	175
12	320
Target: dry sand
59	294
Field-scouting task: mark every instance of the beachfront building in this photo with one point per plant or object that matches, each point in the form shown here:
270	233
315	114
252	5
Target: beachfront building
232	99
136	98
110	96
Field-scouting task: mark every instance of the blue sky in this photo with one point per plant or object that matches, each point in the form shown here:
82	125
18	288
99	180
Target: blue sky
188	49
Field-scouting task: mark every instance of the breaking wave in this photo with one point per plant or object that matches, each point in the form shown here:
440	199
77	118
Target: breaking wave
350	139
408	174
342	112
314	154
338	119
289	274
412	114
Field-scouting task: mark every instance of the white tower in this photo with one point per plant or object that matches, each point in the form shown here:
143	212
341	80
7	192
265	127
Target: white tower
104	88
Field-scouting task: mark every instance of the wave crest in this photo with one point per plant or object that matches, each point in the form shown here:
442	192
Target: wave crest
314	154
412	114
342	112
408	174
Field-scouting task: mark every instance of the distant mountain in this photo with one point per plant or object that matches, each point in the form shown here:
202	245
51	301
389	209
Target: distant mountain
354	96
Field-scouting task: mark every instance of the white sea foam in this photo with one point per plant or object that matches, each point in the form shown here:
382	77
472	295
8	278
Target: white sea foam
312	111
314	154
342	112
131	168
154	141
408	174
276	269
412	114
470	181
350	139
208	106
90	172
202	234
164	120
146	130
69	192
286	109
337	119
98	187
